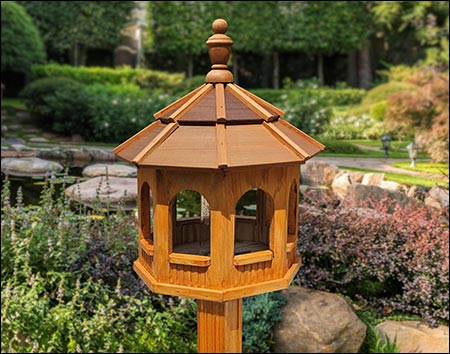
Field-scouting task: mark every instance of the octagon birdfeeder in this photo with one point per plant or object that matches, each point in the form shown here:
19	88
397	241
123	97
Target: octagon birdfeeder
222	142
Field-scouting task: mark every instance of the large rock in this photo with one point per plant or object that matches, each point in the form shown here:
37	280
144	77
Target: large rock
113	170
115	192
415	337
318	173
373	179
340	184
437	198
29	166
361	192
317	322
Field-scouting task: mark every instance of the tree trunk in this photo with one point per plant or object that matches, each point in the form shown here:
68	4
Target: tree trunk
190	68
276	70
320	69
352	69
265	71
74	55
235	64
82	56
364	68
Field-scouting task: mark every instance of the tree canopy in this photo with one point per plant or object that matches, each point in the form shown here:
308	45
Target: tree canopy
76	26
21	42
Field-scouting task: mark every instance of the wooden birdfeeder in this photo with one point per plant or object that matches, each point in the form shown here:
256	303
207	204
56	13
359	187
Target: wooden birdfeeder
220	141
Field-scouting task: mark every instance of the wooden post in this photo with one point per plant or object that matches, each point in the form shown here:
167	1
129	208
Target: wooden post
219	326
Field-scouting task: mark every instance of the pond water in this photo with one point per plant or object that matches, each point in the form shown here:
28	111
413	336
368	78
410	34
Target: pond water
32	186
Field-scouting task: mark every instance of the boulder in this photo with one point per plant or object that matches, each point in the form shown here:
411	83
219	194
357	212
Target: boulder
114	192
437	198
317	322
113	170
318	173
29	166
372	179
391	185
340	184
415	337
359	191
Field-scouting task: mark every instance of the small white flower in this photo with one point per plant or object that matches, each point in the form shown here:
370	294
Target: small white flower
114	102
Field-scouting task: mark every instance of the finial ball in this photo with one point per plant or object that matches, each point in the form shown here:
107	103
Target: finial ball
220	26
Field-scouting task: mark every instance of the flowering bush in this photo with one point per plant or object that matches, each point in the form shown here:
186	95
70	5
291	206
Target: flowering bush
344	126
309	113
388	256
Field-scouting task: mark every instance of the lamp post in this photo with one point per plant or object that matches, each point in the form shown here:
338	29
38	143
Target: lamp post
386	141
412	151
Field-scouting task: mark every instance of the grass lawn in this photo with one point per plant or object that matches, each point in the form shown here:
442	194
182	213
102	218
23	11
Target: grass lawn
402	179
437	168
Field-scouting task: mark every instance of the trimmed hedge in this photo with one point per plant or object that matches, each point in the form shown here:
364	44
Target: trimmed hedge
144	78
330	97
110	113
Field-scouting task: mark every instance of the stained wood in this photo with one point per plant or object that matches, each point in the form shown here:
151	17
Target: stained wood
255	145
250	103
219	326
253	257
190	260
275	111
167	111
158	140
222	157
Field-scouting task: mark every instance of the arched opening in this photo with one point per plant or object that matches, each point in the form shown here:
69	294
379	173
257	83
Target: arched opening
292	210
190	216
253	217
146	220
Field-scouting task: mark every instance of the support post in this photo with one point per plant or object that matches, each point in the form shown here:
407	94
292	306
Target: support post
219	326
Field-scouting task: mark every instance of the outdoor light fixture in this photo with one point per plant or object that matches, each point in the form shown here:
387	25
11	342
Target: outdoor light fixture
413	148
386	141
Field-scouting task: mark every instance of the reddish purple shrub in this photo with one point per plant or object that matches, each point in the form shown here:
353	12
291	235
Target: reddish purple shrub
386	255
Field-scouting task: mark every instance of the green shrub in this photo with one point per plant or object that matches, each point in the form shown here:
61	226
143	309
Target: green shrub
97	112
383	91
21	43
259	316
328	97
340	147
61	101
38	91
118	112
378	110
68	284
144	78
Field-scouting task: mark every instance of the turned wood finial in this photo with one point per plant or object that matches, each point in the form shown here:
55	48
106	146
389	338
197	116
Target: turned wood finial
219	48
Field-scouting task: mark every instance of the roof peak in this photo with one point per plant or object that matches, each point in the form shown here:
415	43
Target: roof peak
219	49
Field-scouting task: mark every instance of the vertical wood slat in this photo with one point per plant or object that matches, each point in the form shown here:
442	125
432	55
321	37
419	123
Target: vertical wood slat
219	326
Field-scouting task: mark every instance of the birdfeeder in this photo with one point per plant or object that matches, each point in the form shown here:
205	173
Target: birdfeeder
222	142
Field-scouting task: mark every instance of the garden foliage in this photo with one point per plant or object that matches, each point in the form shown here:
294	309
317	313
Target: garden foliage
380	253
22	46
97	112
423	112
144	78
68	286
